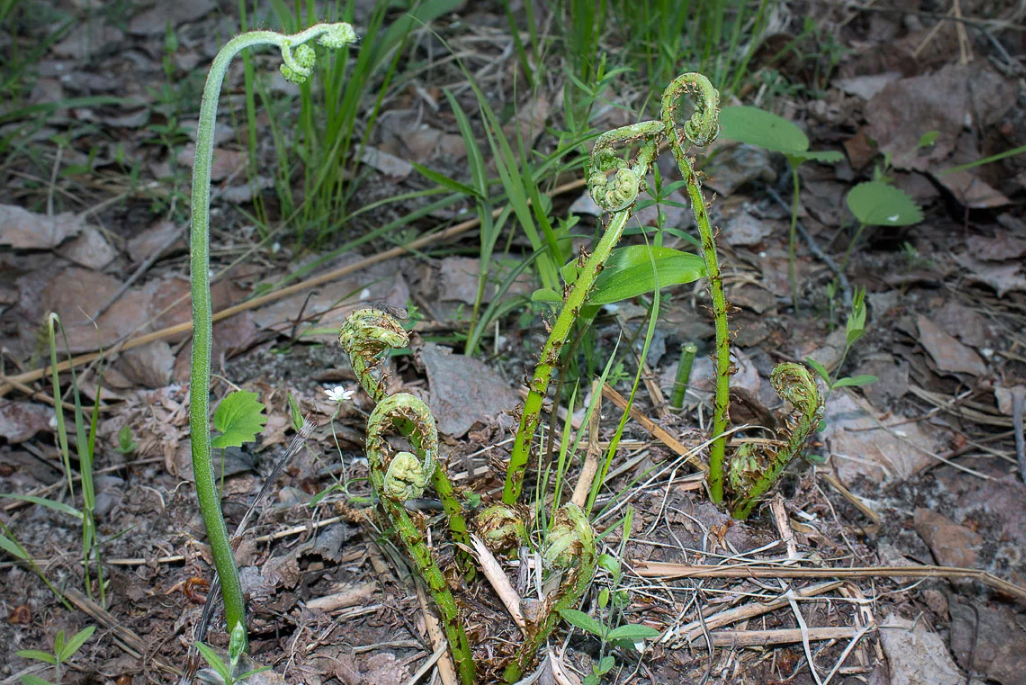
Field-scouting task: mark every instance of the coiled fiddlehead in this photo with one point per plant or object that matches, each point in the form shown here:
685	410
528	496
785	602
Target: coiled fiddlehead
332	36
569	548
755	467
366	336
617	196
702	129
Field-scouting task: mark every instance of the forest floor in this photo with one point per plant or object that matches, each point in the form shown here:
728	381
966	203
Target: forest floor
918	469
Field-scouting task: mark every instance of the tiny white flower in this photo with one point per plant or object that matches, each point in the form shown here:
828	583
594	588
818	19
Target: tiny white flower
892	219
339	394
365	294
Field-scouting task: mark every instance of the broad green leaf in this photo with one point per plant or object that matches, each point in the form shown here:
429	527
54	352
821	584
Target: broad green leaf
239	417
928	139
817	156
628	272
76	642
546	295
583	621
764	129
36	655
819	368
855	381
215	661
606	665
11	548
30	679
633	632
58	644
43	502
875	203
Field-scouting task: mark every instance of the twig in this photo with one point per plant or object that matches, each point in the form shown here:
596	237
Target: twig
653	428
804	630
427	665
447	234
818	253
655	569
764	638
1018	400
592	453
499	581
446	670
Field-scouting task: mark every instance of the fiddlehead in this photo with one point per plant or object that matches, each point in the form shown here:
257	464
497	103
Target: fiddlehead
366	336
755	468
333	36
701	129
620	193
569	548
397	477
502	527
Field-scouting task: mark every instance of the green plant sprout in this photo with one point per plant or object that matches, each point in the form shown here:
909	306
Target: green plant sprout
367	336
610	603
299	59
683	377
756	466
62	651
236	649
855	328
877	203
758	127
126	443
618	195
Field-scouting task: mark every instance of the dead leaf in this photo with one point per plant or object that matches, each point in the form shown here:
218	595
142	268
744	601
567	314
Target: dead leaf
464	390
1003	278
89	38
225	163
970	191
89	249
154	22
142	246
149	365
25	230
745	229
1002	247
861	448
866	87
949	354
916	654
387	163
20	421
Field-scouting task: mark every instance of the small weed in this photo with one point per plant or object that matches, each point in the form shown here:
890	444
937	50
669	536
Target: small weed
236	648
62	651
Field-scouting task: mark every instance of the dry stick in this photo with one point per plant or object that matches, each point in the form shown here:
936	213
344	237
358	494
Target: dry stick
123	637
446	670
693	630
1018	400
655	569
452	232
765	638
592	453
653	428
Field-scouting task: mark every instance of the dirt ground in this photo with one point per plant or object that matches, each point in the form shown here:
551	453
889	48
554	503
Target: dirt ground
918	469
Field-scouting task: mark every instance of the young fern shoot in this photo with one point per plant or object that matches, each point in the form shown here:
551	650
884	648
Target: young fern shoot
297	67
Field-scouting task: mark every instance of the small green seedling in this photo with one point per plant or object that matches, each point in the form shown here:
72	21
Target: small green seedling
764	129
62	651
239	417
877	203
855	328
126	445
236	648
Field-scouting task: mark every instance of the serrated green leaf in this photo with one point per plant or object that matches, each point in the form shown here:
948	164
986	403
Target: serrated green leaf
764	129
36	655
11	548
628	272
633	632
239	417
76	642
583	621
855	381
875	203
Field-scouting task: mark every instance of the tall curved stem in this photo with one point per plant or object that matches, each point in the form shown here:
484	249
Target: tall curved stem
701	129
330	35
